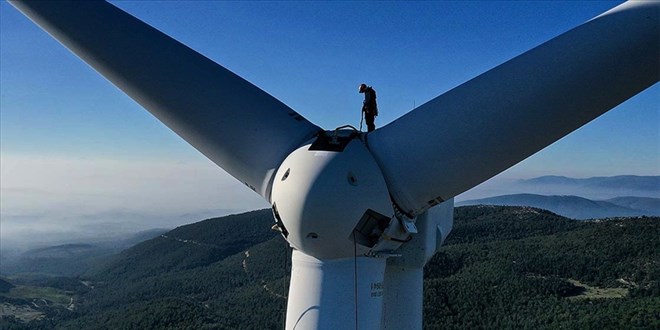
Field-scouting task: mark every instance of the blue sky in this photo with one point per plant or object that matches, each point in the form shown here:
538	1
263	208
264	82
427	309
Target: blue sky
57	114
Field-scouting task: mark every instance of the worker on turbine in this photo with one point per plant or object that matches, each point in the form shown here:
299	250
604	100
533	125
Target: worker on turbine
369	107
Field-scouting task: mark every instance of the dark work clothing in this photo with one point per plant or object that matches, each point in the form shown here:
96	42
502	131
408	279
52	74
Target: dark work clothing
370	108
369	104
370	122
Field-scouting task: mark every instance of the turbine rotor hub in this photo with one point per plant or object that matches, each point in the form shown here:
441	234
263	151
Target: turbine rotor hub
330	199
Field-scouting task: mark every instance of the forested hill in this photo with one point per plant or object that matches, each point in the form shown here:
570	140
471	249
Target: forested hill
512	267
188	247
502	267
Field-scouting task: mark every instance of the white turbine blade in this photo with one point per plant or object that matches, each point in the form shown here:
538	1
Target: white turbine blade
238	126
490	123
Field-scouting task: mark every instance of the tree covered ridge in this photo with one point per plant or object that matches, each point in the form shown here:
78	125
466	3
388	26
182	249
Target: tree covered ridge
512	267
501	267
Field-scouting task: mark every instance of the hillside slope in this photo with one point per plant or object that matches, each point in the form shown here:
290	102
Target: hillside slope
502	267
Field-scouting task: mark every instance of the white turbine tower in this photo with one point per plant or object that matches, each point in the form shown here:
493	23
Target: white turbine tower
365	212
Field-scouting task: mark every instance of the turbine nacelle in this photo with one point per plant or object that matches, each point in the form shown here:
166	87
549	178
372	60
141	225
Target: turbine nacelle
330	199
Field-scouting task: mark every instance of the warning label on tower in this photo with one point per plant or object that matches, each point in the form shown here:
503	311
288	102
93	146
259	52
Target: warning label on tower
377	289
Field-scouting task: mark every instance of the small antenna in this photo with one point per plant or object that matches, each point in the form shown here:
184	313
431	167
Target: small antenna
414	104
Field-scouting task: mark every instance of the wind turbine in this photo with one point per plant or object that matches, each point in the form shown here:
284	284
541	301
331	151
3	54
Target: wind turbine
365	212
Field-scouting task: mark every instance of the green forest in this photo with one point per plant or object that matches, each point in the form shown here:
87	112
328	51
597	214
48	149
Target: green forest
501	267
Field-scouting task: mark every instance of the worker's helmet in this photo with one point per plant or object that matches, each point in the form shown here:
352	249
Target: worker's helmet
362	88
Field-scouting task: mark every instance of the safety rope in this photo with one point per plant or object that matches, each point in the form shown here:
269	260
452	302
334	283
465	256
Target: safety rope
355	280
286	293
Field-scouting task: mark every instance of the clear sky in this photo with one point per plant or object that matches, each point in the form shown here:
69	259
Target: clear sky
77	152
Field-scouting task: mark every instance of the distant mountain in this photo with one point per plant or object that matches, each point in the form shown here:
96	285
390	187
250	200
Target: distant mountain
593	188
60	251
71	259
550	179
577	207
650	205
649	183
531	269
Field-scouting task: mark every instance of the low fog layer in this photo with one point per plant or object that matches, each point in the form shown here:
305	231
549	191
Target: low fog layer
595	188
49	200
